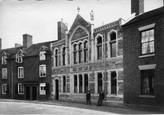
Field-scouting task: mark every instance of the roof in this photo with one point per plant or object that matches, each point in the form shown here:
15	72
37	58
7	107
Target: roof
146	15
79	20
10	51
35	48
31	51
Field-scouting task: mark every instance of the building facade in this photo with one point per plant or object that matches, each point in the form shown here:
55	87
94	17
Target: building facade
88	58
143	59
26	71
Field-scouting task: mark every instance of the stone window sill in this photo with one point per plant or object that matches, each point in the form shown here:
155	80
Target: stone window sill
144	56
147	96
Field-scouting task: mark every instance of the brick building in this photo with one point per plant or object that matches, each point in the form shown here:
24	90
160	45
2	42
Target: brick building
83	57
26	71
143	57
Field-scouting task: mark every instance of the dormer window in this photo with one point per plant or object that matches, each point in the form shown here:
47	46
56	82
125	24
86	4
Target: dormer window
4	73
4	57
42	55
4	62
19	58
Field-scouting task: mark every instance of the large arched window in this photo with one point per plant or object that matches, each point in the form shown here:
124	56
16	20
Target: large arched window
75	53
99	48
80	52
56	57
113	44
64	55
85	51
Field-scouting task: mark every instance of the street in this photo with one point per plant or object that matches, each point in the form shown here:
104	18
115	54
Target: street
61	108
32	108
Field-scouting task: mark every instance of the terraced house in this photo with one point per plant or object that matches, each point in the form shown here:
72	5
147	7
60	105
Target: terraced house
143	57
26	71
87	58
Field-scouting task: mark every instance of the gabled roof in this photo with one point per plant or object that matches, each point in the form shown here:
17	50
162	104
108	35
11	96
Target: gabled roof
10	51
146	15
31	51
35	48
79	20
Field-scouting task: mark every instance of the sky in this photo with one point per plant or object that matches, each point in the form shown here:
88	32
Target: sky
39	17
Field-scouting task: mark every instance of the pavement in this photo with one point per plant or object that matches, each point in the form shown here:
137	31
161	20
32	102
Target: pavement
118	110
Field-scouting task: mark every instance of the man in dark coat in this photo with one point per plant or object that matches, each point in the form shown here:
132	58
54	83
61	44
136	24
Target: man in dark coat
88	97
101	97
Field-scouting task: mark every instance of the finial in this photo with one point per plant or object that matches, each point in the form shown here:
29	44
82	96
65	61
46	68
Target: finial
92	15
78	9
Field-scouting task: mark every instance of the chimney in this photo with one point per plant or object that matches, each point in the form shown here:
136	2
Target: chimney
62	28
137	6
27	40
17	45
0	43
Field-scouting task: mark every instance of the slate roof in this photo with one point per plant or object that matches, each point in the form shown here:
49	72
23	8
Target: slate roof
146	15
31	51
34	49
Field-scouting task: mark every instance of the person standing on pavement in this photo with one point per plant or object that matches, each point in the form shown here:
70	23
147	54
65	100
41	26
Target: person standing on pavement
101	98
88	98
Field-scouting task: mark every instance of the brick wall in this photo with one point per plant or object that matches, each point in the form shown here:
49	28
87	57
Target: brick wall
131	60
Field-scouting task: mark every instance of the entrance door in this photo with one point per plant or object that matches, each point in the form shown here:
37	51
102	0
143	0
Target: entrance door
34	93
57	89
28	93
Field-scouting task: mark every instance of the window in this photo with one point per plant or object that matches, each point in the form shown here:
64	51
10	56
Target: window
4	88
80	52
64	84
64	55
4	62
56	57
42	70
85	83
147	82
75	83
113	82
85	51
99	48
113	44
42	55
20	88
80	84
147	41
75	53
4	73
42	88
100	82
20	72
19	58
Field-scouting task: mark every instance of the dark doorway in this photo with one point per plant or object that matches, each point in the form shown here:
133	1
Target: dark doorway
57	89
28	93
34	93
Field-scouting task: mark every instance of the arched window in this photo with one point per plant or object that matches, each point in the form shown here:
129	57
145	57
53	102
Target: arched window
56	57
99	48
80	52
75	53
113	44
64	55
85	51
